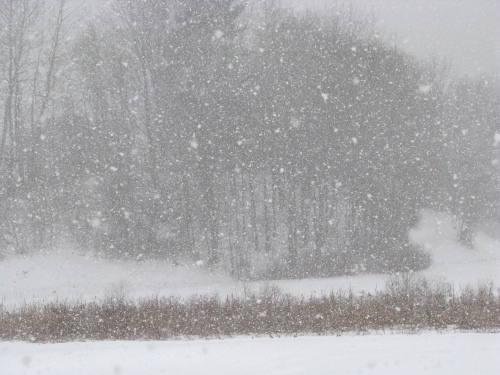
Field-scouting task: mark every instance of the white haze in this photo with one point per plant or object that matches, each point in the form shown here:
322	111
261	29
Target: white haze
467	32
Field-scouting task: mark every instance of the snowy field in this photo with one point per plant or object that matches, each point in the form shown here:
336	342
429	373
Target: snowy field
430	353
67	275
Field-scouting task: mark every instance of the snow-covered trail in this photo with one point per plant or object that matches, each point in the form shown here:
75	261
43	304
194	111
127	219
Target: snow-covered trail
428	353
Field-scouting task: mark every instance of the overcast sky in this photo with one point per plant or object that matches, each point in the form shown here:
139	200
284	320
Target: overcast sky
465	31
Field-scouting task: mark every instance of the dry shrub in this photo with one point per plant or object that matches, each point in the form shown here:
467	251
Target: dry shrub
396	257
305	267
409	302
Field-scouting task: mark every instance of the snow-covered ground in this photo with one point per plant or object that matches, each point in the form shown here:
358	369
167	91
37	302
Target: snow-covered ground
67	275
430	353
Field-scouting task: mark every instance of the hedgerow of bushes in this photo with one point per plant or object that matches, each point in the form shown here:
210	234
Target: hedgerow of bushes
408	302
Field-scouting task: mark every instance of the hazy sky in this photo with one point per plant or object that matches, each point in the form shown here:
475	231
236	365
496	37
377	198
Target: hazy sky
466	31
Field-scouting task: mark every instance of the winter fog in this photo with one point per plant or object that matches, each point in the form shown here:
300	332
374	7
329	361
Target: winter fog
231	169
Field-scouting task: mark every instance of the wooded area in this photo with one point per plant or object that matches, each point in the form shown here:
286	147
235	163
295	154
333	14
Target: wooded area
246	136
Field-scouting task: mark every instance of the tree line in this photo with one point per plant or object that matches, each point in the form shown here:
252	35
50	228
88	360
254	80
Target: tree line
239	135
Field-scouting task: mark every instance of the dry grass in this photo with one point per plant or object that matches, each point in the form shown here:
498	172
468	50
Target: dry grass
409	302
